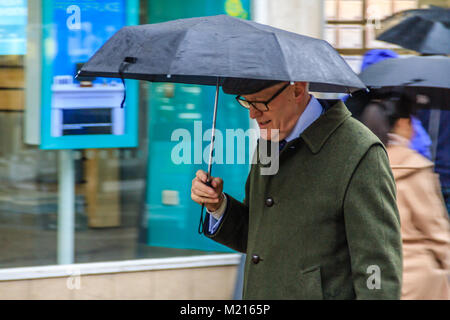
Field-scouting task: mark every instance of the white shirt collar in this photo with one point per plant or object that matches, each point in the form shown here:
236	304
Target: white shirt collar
312	111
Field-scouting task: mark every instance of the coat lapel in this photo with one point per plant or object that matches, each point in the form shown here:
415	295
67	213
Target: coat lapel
314	137
319	131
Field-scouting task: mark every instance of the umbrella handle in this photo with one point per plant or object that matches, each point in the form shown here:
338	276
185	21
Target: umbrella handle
203	218
211	152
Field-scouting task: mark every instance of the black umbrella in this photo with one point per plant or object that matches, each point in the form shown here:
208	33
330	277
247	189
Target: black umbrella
424	79
201	50
422	98
423	30
220	49
424	71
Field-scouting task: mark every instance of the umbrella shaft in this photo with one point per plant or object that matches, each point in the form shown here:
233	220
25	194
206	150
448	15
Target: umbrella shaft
211	150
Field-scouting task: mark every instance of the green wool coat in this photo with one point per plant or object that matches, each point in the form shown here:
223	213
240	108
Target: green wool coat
326	225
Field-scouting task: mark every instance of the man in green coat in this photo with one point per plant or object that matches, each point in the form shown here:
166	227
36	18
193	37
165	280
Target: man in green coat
326	224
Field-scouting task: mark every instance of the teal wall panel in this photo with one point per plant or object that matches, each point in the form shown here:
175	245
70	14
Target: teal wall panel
178	106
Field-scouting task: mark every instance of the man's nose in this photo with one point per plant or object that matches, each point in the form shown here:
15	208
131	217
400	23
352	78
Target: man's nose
254	113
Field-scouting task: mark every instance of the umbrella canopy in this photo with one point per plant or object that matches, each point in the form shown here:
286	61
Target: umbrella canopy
219	50
201	50
423	30
424	79
423	98
425	72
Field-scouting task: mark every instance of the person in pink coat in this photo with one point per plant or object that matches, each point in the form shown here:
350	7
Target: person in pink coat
424	221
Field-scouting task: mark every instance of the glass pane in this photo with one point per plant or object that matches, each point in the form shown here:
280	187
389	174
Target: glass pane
115	190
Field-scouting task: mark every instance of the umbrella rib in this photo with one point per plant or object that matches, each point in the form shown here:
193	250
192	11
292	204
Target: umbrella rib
246	22
282	53
176	52
179	43
252	25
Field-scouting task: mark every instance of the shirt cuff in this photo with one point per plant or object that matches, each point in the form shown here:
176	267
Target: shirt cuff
219	212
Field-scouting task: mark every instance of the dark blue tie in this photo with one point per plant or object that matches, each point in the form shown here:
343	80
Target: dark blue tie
282	144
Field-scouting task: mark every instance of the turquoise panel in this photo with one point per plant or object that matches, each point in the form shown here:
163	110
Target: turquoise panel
188	110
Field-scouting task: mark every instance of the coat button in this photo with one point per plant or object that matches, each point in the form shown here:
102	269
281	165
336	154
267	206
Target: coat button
269	202
256	259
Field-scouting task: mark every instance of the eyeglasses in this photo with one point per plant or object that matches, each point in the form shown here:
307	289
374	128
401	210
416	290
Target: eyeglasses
259	105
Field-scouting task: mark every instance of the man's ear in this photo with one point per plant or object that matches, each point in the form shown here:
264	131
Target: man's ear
300	90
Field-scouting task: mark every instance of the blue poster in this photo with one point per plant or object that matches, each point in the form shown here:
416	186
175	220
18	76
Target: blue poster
13	24
85	112
81	28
